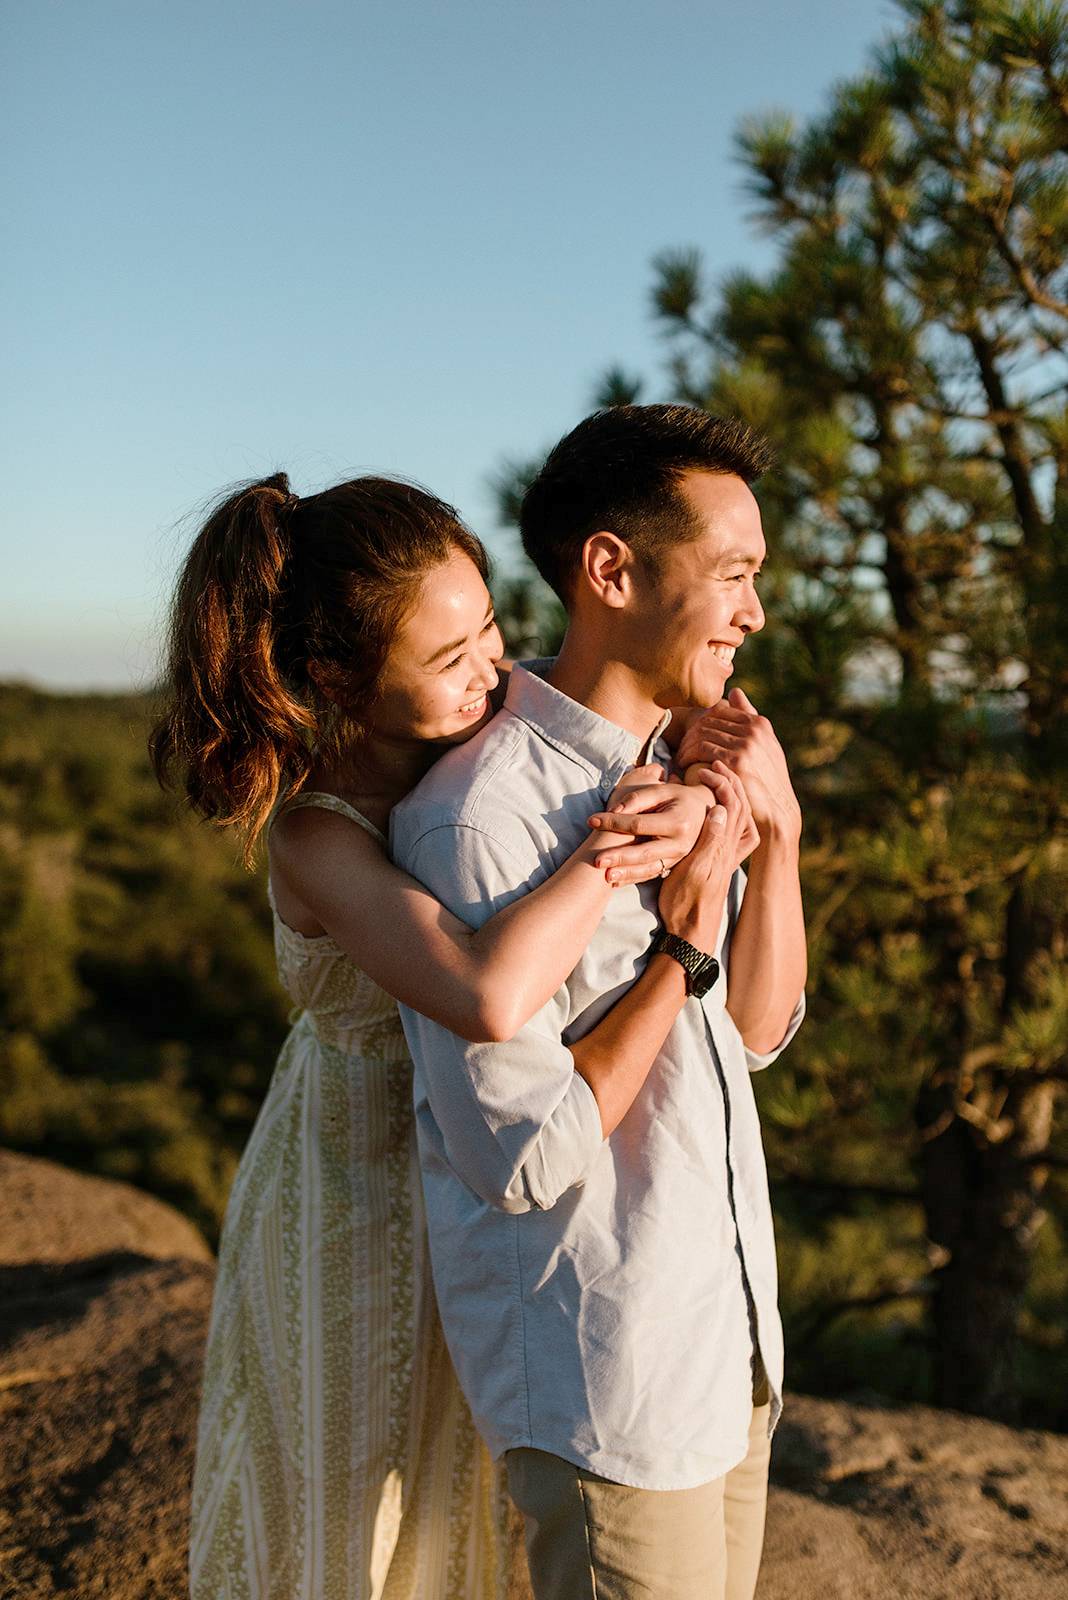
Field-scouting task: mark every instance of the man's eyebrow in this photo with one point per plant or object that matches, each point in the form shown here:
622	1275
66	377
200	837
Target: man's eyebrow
738	558
447	649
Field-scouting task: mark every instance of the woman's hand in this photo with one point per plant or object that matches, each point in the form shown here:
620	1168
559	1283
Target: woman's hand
694	893
662	820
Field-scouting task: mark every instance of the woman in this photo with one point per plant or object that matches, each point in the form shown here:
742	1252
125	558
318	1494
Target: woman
323	653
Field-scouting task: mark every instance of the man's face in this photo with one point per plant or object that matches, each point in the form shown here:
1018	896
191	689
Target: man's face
691	618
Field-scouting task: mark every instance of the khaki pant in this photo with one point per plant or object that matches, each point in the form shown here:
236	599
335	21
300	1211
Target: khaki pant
591	1539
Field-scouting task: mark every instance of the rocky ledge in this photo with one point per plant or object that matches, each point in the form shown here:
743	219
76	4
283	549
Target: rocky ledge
104	1300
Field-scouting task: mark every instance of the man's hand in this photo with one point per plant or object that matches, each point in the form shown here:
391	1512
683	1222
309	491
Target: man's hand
734	732
693	895
768	960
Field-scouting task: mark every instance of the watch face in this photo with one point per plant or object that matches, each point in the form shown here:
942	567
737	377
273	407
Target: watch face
702	982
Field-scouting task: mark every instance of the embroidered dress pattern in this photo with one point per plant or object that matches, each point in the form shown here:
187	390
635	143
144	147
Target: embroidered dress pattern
336	1456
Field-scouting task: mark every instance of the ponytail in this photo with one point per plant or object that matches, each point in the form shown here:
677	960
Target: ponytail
233	728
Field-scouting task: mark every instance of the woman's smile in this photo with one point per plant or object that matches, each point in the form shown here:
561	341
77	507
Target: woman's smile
442	665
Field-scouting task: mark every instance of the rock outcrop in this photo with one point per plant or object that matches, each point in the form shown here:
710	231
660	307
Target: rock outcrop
872	1502
104	1300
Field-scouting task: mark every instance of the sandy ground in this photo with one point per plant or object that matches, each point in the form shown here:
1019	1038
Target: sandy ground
104	1299
910	1503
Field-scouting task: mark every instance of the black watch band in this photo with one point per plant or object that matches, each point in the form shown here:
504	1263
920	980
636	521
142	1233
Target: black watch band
701	970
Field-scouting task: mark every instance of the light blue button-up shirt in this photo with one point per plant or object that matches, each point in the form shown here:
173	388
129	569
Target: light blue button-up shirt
601	1297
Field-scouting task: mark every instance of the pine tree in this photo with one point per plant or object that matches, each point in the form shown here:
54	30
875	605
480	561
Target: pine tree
908	354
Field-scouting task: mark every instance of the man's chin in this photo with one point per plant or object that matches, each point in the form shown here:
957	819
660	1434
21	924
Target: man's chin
693	698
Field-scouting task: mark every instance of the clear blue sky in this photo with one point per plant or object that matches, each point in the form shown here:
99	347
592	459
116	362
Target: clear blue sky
336	236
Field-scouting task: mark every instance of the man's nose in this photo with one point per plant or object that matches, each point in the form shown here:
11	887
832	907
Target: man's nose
750	615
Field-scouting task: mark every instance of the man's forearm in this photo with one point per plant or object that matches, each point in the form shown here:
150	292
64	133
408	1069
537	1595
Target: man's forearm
615	1057
768	956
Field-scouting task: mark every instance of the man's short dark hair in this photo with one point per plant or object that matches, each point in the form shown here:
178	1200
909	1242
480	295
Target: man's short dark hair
619	471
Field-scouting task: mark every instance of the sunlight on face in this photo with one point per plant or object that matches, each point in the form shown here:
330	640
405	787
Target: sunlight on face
703	604
442	662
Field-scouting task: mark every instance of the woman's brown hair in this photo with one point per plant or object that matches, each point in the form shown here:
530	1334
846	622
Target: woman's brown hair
279	631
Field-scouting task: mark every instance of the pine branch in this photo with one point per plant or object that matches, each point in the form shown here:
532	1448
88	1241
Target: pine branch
904	1289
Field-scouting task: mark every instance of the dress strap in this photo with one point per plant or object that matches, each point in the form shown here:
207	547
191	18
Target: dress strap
321	801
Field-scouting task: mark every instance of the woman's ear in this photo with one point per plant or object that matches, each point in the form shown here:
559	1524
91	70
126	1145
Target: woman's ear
319	677
607	563
329	682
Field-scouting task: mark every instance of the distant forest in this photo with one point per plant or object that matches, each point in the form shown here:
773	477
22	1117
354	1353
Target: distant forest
140	1017
139	1008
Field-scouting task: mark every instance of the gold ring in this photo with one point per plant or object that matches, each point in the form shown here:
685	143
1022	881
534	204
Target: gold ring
663	870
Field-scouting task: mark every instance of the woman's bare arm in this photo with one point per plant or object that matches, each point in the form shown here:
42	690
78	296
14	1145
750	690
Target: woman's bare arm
331	877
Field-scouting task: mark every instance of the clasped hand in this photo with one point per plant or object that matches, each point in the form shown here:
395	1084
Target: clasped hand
656	822
704	829
734	733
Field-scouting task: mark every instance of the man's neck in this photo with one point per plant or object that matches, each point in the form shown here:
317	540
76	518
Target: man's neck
606	687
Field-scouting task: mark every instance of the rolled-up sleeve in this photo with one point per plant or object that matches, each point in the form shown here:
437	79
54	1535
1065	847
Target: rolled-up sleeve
514	1121
757	1062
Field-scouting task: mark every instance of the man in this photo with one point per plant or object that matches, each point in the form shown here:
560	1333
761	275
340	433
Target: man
601	1237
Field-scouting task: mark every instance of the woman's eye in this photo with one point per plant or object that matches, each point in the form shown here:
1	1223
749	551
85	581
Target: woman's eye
492	623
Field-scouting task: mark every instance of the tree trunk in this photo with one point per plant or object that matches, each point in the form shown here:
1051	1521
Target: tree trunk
983	1215
983	1178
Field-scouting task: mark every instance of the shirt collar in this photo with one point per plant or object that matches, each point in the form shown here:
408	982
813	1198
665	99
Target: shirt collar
603	747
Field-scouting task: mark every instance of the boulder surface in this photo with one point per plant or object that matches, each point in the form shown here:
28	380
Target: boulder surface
104	1302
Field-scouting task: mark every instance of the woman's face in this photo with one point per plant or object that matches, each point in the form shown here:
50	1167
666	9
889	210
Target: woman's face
441	664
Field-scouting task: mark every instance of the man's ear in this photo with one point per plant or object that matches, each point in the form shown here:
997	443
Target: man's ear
607	567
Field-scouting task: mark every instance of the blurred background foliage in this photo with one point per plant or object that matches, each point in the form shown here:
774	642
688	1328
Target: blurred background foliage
140	1014
139	1009
907	357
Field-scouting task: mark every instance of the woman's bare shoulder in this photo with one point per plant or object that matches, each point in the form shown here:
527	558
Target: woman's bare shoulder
317	855
298	828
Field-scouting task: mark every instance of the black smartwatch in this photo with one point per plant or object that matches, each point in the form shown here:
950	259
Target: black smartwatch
701	970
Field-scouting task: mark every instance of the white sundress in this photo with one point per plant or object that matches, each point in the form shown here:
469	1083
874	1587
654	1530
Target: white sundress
336	1456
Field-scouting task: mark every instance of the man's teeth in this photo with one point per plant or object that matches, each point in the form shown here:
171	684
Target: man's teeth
724	652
